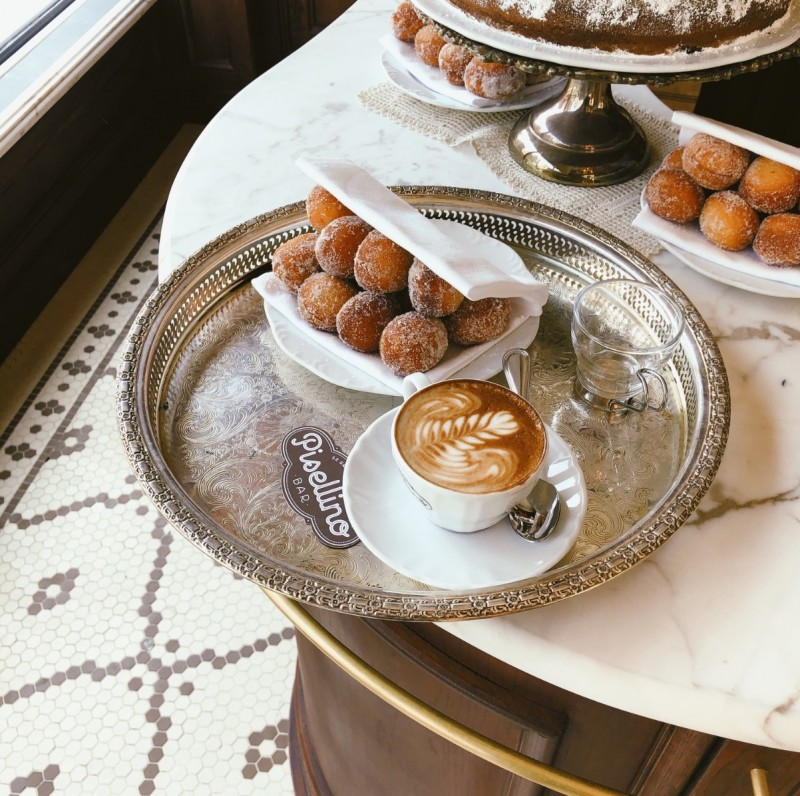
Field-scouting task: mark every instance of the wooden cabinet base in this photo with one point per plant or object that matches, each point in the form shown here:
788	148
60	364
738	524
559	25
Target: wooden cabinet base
345	741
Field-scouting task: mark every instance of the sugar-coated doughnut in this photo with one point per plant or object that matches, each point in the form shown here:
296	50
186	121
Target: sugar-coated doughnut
493	81
381	264
674	159
777	241
672	194
412	343
728	221
769	186
338	243
453	60
294	261
430	295
362	319
406	21
322	207
714	163
427	43
320	298
476	322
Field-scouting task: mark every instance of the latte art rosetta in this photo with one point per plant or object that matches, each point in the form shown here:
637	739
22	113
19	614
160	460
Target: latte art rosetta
465	449
470	436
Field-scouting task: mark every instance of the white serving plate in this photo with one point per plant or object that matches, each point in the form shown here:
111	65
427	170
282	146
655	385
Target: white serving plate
782	34
401	78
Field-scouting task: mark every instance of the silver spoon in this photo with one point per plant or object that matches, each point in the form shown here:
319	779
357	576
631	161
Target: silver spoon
535	517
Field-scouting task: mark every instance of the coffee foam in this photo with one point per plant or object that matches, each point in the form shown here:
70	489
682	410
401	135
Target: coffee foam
470	436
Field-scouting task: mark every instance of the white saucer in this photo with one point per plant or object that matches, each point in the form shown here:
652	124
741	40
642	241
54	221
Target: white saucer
394	526
401	78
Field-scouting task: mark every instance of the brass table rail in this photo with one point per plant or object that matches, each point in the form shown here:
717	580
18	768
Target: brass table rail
758	779
430	718
437	722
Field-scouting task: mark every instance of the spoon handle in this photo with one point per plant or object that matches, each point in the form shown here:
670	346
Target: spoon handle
519	377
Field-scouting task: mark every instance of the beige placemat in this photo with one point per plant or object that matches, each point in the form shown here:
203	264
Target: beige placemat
612	208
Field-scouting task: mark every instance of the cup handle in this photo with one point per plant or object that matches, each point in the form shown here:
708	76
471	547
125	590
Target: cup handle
645	375
414	382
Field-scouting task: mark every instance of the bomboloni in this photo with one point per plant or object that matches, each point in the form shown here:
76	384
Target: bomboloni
476	322
412	343
362	319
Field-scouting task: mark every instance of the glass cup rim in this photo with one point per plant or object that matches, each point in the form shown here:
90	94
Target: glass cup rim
671	303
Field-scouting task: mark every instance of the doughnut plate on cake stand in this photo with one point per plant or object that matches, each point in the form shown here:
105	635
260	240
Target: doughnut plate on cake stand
583	136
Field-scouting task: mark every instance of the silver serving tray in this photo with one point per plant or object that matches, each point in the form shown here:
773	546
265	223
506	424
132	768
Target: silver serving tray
205	397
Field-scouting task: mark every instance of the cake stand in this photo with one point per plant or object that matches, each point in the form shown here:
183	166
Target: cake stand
583	136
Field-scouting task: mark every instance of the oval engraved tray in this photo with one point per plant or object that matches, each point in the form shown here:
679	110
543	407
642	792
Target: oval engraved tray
205	397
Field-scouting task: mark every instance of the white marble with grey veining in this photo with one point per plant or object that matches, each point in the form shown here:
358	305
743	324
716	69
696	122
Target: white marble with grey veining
702	634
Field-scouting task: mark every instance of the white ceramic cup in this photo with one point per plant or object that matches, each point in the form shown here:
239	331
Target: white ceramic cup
485	447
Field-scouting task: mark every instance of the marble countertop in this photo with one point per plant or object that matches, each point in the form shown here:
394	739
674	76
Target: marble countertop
703	633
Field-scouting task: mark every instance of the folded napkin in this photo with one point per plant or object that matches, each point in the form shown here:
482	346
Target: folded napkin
475	264
433	78
688	237
465	361
690	124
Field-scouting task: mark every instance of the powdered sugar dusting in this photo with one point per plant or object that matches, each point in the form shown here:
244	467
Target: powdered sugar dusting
535	9
622	11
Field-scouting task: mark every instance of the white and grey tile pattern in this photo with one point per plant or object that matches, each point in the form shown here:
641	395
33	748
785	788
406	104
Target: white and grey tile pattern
131	663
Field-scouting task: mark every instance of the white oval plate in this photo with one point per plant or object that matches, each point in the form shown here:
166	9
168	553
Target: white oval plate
322	360
727	276
746	273
401	78
395	527
327	356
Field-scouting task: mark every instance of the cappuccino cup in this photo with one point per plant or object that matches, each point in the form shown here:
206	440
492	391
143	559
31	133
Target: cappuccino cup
468	450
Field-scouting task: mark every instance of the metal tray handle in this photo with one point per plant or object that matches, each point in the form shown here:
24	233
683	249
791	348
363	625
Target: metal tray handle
430	718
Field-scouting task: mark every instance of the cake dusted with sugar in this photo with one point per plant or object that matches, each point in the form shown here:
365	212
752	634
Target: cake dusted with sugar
646	27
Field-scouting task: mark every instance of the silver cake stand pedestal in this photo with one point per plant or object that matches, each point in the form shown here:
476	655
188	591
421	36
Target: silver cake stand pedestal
583	136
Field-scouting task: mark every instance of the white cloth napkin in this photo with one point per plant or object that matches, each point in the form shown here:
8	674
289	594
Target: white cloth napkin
475	264
521	332
688	237
432	77
691	123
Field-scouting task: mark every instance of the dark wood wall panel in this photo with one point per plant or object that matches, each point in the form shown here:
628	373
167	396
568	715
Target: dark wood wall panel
764	102
66	178
218	56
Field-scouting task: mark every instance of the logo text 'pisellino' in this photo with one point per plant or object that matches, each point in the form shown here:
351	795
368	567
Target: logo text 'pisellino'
312	483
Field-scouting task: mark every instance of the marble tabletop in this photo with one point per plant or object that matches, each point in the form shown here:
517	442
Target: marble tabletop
703	633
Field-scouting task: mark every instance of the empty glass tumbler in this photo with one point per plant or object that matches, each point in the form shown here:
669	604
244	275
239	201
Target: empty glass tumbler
623	332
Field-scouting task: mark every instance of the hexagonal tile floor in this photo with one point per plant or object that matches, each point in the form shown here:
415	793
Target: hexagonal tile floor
131	662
